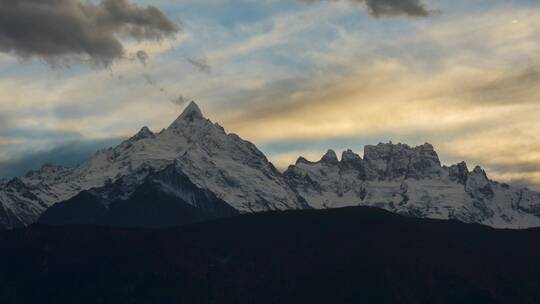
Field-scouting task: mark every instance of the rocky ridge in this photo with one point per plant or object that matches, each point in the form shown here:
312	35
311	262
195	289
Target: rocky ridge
412	181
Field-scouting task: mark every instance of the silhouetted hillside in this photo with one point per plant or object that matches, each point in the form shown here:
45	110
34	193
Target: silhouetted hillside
350	255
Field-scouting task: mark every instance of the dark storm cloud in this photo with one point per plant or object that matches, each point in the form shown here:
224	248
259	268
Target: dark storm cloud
201	64
66	31
381	8
69	150
68	154
415	8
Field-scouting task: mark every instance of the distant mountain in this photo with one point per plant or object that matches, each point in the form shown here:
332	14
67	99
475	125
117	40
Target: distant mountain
411	181
236	177
346	255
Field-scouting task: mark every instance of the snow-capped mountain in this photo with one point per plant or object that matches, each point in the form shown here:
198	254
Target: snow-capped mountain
234	170
411	181
195	164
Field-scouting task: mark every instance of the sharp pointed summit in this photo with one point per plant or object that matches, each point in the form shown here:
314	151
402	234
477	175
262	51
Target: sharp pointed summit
191	113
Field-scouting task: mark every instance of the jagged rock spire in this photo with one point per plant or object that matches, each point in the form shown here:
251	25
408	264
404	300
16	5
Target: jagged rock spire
459	172
350	156
330	157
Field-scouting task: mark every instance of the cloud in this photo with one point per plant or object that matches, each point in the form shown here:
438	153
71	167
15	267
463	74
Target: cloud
459	86
180	100
507	87
68	154
382	8
5	121
142	56
427	81
67	31
150	80
201	64
413	8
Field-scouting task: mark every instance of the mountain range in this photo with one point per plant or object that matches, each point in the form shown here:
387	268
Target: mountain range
193	171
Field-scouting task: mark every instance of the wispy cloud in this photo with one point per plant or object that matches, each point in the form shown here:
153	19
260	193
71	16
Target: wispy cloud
324	76
201	64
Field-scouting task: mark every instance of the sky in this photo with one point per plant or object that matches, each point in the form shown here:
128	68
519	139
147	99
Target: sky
295	77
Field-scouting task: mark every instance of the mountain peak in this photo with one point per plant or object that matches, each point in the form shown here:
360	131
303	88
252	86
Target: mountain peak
302	160
459	172
143	134
350	156
480	173
330	157
192	111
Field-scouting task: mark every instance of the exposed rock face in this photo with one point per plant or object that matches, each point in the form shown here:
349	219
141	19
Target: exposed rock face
458	173
166	198
411	181
394	161
330	158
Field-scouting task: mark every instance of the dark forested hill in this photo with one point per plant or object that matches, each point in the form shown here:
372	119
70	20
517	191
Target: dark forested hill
350	255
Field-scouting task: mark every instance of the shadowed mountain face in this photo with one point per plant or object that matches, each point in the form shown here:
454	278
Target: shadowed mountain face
349	255
163	199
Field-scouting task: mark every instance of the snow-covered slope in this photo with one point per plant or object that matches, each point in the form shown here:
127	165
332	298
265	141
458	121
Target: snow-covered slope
396	177
231	168
412	181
